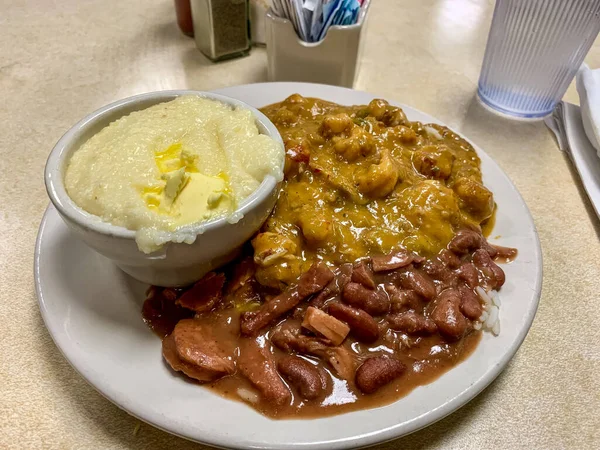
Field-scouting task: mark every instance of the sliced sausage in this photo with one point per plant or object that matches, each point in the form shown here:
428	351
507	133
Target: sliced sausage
252	322
310	282
376	372
335	286
205	294
169	351
396	260
243	273
256	363
161	314
193	350
362	325
169	294
314	279
363	275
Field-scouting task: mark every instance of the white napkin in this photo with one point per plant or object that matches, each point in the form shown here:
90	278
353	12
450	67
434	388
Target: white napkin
588	87
567	124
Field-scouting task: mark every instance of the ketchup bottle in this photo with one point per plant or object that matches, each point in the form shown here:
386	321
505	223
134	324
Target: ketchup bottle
183	11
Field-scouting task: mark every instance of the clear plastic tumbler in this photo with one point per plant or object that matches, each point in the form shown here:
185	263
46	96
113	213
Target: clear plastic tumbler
533	52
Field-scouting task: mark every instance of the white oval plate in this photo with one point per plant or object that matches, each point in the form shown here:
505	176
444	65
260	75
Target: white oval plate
92	310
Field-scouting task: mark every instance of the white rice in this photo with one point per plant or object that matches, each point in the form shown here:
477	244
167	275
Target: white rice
490	317
247	395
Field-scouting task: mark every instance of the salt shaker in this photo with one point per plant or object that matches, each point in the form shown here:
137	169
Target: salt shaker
221	28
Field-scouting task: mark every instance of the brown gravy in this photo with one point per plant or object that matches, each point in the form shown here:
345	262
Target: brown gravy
423	368
426	357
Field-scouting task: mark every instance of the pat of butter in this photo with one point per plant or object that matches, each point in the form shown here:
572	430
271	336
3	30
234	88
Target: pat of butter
184	194
169	159
175	182
202	198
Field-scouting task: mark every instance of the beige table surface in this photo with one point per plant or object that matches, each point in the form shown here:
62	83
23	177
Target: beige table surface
61	60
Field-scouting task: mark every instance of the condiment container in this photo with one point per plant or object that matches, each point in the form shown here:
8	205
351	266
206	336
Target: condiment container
333	60
258	11
184	17
221	28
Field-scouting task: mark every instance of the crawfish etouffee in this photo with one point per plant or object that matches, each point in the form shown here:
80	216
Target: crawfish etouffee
372	275
362	180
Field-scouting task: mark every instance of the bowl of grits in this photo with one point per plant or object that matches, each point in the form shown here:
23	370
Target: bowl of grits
168	184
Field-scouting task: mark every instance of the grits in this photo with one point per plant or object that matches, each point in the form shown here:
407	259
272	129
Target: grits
174	164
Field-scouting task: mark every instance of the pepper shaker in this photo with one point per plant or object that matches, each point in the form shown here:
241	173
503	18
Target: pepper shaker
221	28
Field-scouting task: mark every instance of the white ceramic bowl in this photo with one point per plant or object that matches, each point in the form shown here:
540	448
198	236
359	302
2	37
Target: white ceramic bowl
176	264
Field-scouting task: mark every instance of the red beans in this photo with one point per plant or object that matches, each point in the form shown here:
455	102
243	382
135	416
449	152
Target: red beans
447	315
493	273
465	241
362	325
305	377
374	302
419	282
411	323
468	273
376	372
403	299
449	259
470	304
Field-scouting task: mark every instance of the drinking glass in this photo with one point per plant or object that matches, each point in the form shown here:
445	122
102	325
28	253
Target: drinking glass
533	51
